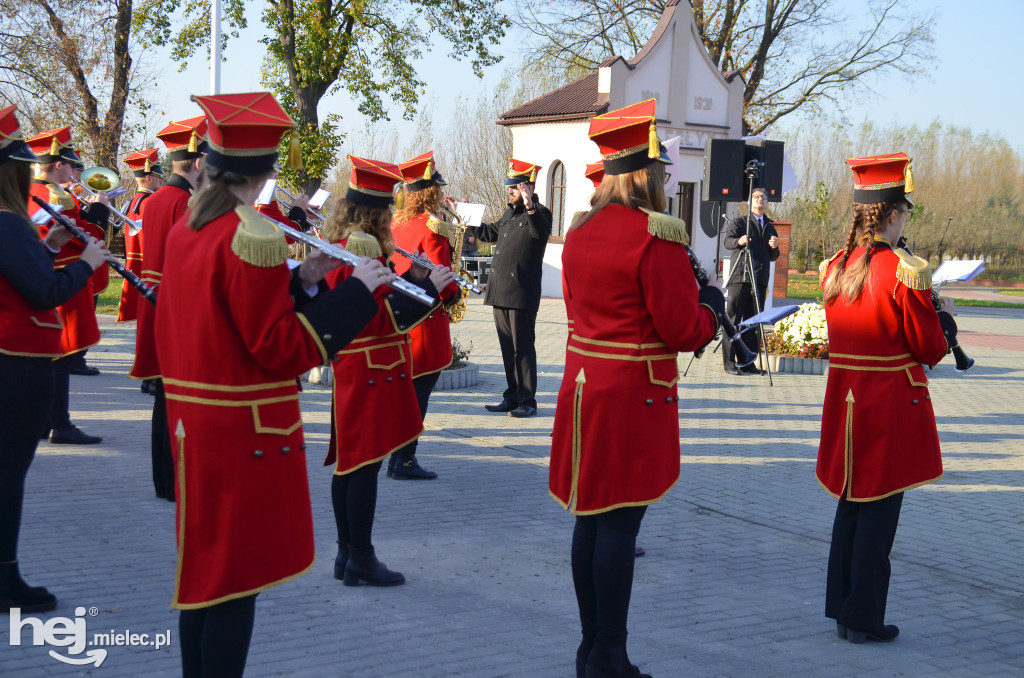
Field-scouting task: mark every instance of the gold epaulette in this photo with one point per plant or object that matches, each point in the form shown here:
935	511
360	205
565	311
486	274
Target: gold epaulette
914	272
58	196
363	244
577	216
442	228
257	240
823	266
667	227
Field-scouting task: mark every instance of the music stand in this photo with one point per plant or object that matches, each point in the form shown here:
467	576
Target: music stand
767	317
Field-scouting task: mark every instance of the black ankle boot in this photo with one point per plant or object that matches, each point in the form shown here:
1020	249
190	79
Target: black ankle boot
341	560
611	662
14	592
391	465
363	566
582	652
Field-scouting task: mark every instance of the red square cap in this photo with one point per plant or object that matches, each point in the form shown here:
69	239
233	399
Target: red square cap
881	178
372	183
245	130
628	138
521	172
420	173
54	145
12	141
185	139
595	172
144	162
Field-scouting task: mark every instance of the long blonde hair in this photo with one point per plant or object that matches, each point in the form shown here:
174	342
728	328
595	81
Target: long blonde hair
348	217
427	201
642	188
867	217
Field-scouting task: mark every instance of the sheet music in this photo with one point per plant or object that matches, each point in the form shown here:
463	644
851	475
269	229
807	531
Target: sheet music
472	214
266	196
42	216
958	271
319	198
768	317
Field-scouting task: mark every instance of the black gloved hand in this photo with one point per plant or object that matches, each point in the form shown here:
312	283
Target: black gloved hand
948	327
713	298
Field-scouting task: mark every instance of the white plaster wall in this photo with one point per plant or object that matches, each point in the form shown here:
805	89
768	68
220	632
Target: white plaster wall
654	77
707	96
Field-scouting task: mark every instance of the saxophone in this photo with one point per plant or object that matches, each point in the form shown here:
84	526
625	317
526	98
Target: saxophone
457	311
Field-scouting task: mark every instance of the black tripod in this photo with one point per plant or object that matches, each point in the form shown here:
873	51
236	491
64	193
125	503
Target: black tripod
745	266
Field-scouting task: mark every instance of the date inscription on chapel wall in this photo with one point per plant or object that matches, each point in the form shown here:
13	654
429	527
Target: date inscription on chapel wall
702	103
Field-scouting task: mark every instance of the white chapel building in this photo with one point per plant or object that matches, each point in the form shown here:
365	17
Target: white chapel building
695	102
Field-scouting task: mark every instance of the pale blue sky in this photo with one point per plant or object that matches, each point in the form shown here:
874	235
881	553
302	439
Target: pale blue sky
971	84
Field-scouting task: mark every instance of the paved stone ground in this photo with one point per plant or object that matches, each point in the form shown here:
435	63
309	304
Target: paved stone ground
732	583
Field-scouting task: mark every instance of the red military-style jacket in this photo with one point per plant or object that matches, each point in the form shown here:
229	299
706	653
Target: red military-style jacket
231	346
31	289
273	211
431	340
878	433
164	208
375	410
128	307
616	435
78	314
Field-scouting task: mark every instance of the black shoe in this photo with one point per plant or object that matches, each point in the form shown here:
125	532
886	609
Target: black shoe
391	465
341	560
750	369
410	470
363	566
72	436
612	663
886	634
84	370
639	551
841	631
734	370
523	411
503	406
14	592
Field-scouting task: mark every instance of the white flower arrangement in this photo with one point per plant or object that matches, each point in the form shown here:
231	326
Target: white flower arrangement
803	334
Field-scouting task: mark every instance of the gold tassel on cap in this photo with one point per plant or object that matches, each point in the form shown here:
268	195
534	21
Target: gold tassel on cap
294	159
653	145
193	143
54	148
909	177
148	167
429	172
533	175
400	198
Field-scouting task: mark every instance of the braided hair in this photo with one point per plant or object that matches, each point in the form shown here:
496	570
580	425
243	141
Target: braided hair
850	283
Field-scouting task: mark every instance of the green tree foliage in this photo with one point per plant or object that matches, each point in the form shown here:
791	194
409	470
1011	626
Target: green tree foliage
318	47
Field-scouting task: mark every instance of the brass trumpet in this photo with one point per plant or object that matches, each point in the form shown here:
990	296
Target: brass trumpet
100	180
316	219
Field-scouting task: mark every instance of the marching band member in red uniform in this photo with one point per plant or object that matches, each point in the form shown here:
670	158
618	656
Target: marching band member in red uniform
416	228
375	410
185	143
615	446
31	288
145	166
235	329
78	314
878	435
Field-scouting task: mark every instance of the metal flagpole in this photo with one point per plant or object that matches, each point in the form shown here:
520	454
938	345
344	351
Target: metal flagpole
214	46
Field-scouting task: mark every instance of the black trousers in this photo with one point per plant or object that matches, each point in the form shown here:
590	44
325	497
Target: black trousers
160	445
26	388
354	496
603	547
858	562
739	307
517	339
60	405
423	386
215	639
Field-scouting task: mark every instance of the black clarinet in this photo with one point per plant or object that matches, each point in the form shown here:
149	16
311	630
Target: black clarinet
963	361
744	356
135	281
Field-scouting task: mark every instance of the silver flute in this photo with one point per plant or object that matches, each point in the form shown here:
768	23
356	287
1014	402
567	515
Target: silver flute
334	252
431	266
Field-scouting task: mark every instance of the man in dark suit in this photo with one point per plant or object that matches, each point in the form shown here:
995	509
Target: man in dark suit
513	288
762	242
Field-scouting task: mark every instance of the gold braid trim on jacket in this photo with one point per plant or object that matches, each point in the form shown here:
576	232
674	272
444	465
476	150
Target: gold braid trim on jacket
667	227
363	244
257	241
914	272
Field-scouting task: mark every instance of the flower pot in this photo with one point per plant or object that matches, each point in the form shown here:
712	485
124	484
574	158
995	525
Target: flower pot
784	364
459	377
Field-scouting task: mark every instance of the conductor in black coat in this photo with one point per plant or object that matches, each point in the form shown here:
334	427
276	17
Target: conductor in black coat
513	289
763	246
